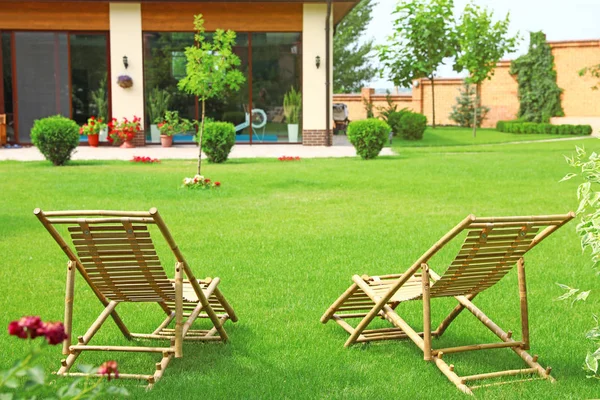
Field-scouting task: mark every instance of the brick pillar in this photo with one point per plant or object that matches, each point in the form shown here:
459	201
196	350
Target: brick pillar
140	139
366	94
317	137
417	96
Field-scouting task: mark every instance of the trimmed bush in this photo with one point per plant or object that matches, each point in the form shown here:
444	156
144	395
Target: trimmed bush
217	140
518	127
412	126
56	137
368	136
393	120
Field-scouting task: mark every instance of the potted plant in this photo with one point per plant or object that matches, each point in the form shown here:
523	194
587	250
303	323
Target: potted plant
292	103
92	130
122	132
100	101
156	107
171	125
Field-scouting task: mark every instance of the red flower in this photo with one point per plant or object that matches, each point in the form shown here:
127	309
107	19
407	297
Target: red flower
217	183
93	118
109	368
54	332
15	329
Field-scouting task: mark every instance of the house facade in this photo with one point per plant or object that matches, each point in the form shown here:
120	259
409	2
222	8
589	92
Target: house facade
65	57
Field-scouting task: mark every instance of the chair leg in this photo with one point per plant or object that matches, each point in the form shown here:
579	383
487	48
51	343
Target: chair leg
523	299
179	310
68	323
336	304
426	314
451	317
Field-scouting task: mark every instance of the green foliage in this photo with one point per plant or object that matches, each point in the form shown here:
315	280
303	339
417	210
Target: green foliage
219	138
423	36
369	106
412	126
482	44
56	137
211	69
463	113
519	126
351	54
100	100
157	104
388	109
394	120
27	380
588	229
292	104
368	136
172	124
593	71
539	95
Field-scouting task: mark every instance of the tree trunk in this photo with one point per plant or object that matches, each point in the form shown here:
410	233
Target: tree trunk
432	100
200	133
477	99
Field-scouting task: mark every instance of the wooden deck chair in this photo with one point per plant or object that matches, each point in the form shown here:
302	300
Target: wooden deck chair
492	247
115	255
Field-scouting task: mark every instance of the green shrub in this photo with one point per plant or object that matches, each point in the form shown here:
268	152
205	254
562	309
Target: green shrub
412	126
554	130
56	137
564	129
393	120
368	136
501	126
217	140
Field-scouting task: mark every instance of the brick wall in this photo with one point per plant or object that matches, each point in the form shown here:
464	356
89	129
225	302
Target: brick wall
500	93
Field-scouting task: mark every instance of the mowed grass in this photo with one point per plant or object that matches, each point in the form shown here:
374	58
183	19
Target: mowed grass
456	136
285	238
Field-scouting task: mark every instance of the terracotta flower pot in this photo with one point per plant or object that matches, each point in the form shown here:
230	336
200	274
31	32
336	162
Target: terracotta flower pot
166	140
93	140
127	145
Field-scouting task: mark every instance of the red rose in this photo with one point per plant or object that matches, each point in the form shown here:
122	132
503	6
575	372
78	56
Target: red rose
217	183
54	332
15	329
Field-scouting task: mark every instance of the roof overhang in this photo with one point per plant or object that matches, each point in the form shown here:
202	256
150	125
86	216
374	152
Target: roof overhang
340	10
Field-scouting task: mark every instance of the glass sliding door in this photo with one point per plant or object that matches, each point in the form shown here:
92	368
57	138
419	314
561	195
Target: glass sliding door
89	67
233	106
164	66
7	85
42	75
276	69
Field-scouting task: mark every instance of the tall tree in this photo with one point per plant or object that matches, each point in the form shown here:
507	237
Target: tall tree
424	35
482	43
539	95
352	68
211	69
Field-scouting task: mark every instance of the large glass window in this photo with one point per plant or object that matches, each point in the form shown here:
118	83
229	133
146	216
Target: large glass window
7	82
89	87
256	110
42	72
276	69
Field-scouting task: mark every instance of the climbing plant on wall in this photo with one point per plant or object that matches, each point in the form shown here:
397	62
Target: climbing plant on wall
539	95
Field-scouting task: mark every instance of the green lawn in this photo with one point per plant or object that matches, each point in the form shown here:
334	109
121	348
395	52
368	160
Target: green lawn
454	136
285	238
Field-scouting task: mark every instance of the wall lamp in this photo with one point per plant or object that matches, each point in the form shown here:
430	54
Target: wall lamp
318	62
125	62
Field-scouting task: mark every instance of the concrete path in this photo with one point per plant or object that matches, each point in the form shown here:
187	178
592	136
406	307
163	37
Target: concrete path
189	152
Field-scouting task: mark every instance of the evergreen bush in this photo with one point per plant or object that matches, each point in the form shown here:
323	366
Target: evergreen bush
218	139
462	112
368	136
56	137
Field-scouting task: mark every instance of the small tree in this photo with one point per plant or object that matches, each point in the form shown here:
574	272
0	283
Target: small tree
539	95
210	69
482	43
350	53
423	37
464	110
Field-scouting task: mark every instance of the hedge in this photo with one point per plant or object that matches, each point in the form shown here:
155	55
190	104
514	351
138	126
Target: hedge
542	128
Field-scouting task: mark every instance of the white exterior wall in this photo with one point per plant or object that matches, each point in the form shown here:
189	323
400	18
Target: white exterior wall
126	40
313	79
